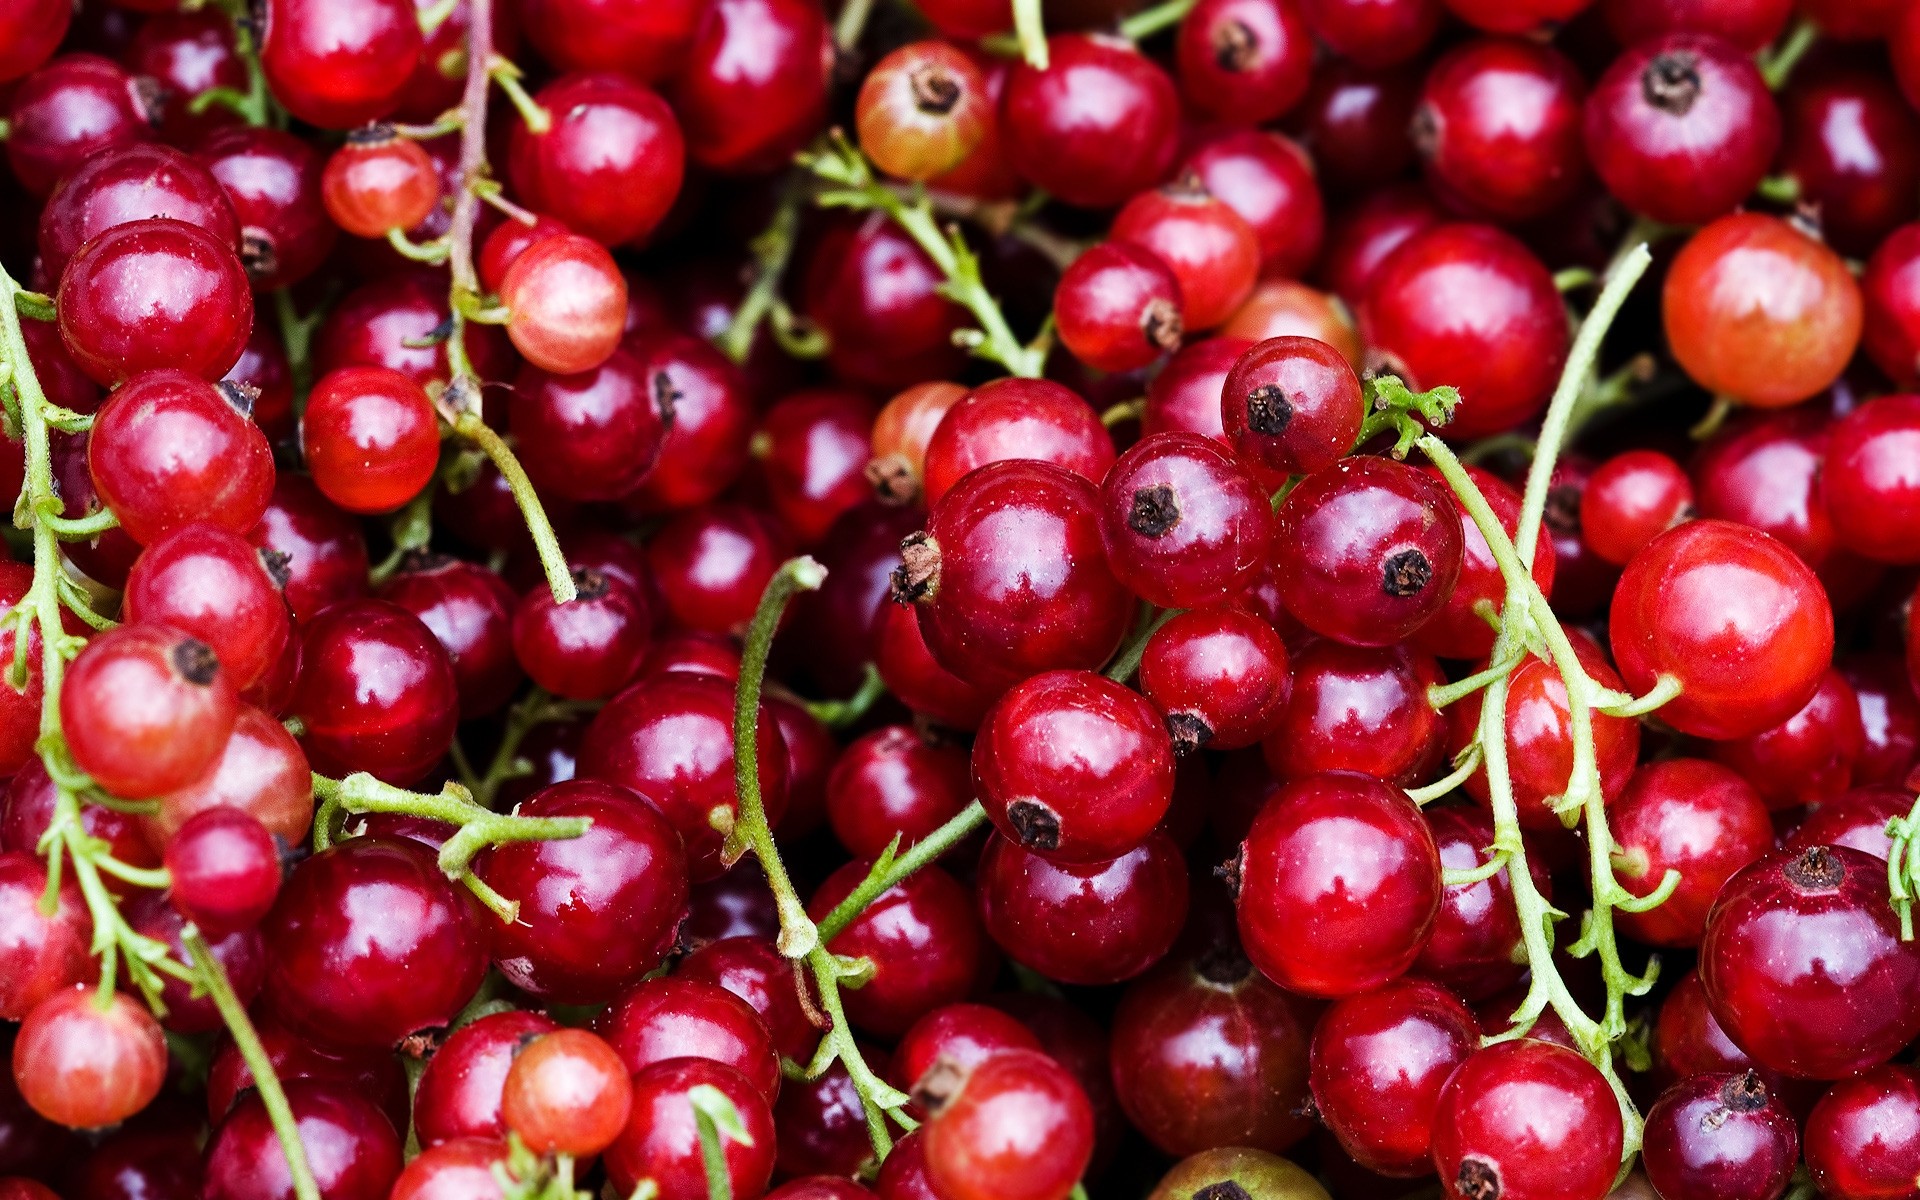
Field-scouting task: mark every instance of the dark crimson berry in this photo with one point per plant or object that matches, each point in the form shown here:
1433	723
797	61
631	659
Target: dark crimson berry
661	1143
42	952
906	666
225	870
325	550
1720	1136
1891	287
461	1087
370	438
273	180
1849	147
813	448
392	321
1084	923
1339	885
32	33
1374	33
1354	122
1852	21
1871	490
1822	1008
1856	819
1469	306
591	35
958	1036
1359	709
1733	616
1185	395
1767	471
1015	1127
376	692
31	804
1184	525
1863	1138
670	739
1220	677
1477	938
1379	1062
1096	127
922	110
894	782
1527	1120
1212	250
153	294
1010	579
1368	232
74	107
1457	630
168	450
374	1074
1690	816
132	183
1207	1053
1808	757
595	435
878	297
1074	767
587	648
1758	310
752	969
1292	405
925	943
1515	16
676	1017
210	583
1498	127
85	1064
351	1148
822	1124
596	912
1118	308
339	65
752	88
969	18
146	710
1377	546
265	368
1631	499
1687	1041
1748	24
469	611
260	771
710	565
567	1093
457	1170
1244	61
1013	418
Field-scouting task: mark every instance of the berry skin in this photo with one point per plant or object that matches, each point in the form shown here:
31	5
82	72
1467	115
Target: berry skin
567	1093
1118	308
1015	1127
1477	936
675	1016
146	710
661	1141
460	1091
1732	615
1378	548
352	1149
376	693
959	1035
225	870
33	31
597	434
1211	249
893	781
339	65
1814	1009
1631	499
1527	1120
876	295
753	87
1868	479
132	183
457	1170
1359	709
647	42
1244	61
1863	1137
1457	630
1339	885
587	648
1016	419
273	180
568	304
1269	180
1184	525
370	437
469	611
922	110
76	106
167	450
1807	758
1084	923
260	771
1757	310
154	294
1074	767
1891	290
1720	1136
211	584
1380	1061
1499	127
609	168
1087	152
1219	675
1694	817
377	182
42	953
926	945
1292	405
85	1066
1856	819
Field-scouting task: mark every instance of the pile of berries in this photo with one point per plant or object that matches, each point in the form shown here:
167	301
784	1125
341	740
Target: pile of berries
959	599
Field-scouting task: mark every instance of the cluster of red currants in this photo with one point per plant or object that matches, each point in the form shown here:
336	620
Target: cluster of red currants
965	600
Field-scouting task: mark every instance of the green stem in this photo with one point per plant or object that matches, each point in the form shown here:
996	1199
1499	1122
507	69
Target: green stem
772	250
890	869
1127	661
213	977
851	23
553	560
1030	28
1147	22
839	714
1777	64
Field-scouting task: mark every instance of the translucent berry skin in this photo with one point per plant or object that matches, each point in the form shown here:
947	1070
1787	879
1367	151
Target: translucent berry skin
1118	307
1034	419
352	1149
1362	709
670	739
1499	127
568	304
751	968
1730	613
457	1170
1074	767
212	584
893	781
1084	923
1207	1052
376	693
1868	478
1220	677
1378	548
1863	1137
42	953
1690	816
822	1124
1811	1009
1891	287
925	942
1291	405
675	1017
1849	144
594	435
260	771
960	1035
1380	1060
131	183
816	448
922	110
1807	758
1456	630
1477	934
567	1093
1631	499
597	911
753	87
1355	118
1184	525
610	166
31	803
1339	885
1210	248
661	1142
1533	1119
82	1067
910	672
154	294
710	566
273	181
369	943
371	438
593	35
469	611
225	869
33	32
374	185
1469	306
1681	128
168	449
1720	1136
75	106
460	1090
1269	180
999	607
1244	61
1099	125
146	710
1020	1128
587	648
339	65
389	322
1759	311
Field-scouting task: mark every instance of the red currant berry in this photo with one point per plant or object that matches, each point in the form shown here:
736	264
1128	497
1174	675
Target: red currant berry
153	294
753	969
392	322
1380	1061
610	165
595	435
370	437
1184	525
146	710
1118	308
587	648
1359	709
1631	499
339	65
1015	1127
813	448
1292	405
84	1064
1211	249
260	771
1376	33
710	565
1694	817
1720	1136
1243	61
894	782
1498	127
71	109
879	299
1863	1138
458	1170
1219	675
1748	24
567	1093
661	1142
1848	146
352	1150
1856	819
42	952
132	183
461	1089
567	303
211	584
922	937
1084	923
31	804
376	692
273	181
900	435
1354	119
1808	757
1185	395
325	550
1871	491
225	870
905	664
378	182
959	1036
752	89
168	450
1368	232
1527	1120
1091	152
32	33
1012	418
593	35
469	611
1891	287
676	1017
1477	939
922	110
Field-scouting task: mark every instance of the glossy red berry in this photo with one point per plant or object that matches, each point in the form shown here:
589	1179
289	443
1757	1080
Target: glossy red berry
567	1093
352	1150
1458	630
1269	180
922	110
1749	24
1808	757
1863	1137
370	437
1527	1120
167	450
469	611
1016	418
878	298
1477	936
1244	61
959	1036
1871	491
596	912
595	435
152	294
273	181
1361	709
132	183
1118	307
567	304
1470	307
1694	817
592	35
894	781
1184	525
813	448
376	692
378	182
1380	1060
1365	235
225	870
462	1086
753	969
208	582
1856	819
1757	310
587	648
457	1170
339	65
1848	145
1015	1127
1378	546
391	322
661	1142
1211	249
1720	1136
1292	405
910	672
84	1064
1084	923
926	945
1629	500
260	771
33	32
1086	151
42	952
1733	616
1499	127
674	1017
146	710
752	88
326	552
709	566
74	107
1818	1009
610	165
1219	676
